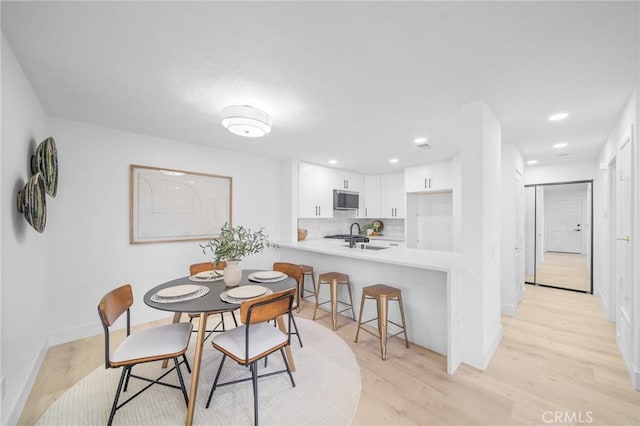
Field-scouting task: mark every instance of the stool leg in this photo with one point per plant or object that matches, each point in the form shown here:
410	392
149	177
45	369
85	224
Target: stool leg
383	306
360	317
353	313
404	326
315	308
334	302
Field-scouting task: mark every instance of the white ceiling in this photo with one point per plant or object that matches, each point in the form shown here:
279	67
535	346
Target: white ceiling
353	81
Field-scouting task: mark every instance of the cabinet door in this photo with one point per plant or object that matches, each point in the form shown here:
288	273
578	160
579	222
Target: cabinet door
441	176
348	181
307	206
430	177
324	178
392	195
315	191
371	197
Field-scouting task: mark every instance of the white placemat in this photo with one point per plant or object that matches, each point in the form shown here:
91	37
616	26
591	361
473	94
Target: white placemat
201	292
226	298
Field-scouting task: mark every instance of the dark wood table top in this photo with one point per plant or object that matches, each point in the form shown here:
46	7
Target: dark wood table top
211	301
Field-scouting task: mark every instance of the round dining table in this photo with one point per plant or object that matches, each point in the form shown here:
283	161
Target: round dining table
204	306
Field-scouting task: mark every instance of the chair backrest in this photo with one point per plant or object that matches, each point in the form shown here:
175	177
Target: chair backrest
111	306
205	266
295	271
267	308
114	304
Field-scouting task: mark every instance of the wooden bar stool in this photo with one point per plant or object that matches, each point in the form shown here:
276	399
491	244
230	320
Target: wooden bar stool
382	294
333	279
306	271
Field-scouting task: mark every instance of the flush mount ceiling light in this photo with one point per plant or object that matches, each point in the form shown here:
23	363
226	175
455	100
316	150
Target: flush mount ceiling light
245	120
558	116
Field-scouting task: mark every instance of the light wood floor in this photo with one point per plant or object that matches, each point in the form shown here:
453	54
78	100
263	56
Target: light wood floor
557	355
566	270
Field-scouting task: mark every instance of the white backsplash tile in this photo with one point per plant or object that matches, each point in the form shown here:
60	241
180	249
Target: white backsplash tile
342	220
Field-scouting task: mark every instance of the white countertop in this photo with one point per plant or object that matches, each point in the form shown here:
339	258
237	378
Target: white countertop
427	259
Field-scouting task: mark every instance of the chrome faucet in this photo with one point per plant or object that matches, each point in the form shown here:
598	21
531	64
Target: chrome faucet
351	243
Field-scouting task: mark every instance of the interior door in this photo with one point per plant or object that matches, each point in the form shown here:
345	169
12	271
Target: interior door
565	226
623	248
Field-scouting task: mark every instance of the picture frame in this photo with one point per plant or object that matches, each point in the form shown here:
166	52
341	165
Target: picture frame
169	205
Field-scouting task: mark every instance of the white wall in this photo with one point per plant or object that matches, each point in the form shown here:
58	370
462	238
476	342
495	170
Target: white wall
25	252
90	252
480	234
561	172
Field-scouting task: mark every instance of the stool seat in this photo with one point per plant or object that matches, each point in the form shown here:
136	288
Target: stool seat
307	269
333	279
328	276
378	290
382	294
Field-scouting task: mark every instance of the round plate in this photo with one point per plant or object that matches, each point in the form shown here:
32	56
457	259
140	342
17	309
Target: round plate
267	275
209	274
379	226
178	290
32	202
247	291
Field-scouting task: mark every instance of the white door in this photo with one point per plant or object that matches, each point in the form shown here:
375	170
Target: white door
624	283
565	226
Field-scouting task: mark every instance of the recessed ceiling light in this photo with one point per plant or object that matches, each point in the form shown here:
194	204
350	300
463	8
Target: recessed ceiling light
532	162
332	161
558	116
560	145
419	141
393	160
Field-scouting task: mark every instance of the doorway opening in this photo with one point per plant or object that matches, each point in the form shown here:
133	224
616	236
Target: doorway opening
559	235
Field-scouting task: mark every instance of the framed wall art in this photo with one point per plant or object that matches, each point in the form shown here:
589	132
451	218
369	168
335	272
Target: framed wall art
169	205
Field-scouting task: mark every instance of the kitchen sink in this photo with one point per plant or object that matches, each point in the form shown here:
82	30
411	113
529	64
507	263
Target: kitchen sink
368	247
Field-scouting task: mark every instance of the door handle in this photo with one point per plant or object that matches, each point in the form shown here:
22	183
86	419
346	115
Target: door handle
577	229
627	239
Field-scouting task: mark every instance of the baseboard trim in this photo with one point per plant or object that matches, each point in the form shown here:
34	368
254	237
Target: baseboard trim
491	351
634	373
70	334
604	305
16	410
508	310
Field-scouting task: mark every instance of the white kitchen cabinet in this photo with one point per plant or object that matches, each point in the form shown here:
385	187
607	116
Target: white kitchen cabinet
429	177
392	195
315	192
347	181
370	197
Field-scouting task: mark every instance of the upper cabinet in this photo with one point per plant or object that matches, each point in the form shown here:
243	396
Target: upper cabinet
430	177
392	195
370	197
347	181
315	192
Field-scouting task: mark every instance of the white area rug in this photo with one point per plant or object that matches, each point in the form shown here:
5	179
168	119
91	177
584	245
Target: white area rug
327	390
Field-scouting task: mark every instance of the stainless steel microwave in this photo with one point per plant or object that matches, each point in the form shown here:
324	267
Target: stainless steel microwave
345	200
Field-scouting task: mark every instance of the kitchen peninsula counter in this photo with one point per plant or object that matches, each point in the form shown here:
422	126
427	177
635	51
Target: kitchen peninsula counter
429	280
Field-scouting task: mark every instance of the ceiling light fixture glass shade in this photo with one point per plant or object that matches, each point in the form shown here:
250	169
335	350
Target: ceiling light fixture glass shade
245	120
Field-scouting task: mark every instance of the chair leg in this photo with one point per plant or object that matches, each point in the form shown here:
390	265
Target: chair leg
184	390
126	382
295	326
184	357
114	407
286	364
254	380
234	318
215	382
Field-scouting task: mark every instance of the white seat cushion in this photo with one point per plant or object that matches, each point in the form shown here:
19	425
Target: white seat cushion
153	343
262	337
